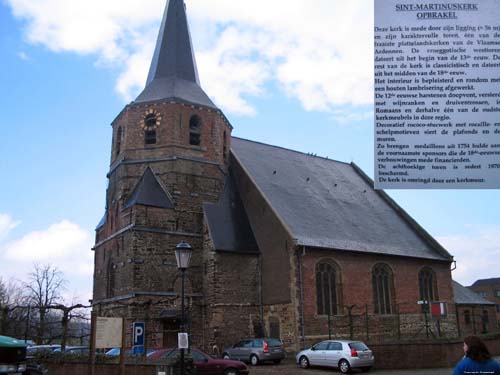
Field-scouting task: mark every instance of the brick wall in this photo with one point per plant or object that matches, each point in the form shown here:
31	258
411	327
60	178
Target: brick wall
424	354
356	290
474	323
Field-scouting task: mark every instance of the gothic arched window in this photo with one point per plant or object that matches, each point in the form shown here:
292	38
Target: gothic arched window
383	289
195	130
427	284
328	289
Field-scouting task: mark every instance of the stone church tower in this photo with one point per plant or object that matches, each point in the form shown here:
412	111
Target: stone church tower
169	155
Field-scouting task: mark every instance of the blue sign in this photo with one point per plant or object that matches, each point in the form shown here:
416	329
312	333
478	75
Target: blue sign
138	334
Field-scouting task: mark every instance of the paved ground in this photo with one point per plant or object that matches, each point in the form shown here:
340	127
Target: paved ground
288	367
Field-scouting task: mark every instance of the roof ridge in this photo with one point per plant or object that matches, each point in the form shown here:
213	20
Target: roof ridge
291	150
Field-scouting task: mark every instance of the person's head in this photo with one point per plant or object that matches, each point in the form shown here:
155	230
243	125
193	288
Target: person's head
475	349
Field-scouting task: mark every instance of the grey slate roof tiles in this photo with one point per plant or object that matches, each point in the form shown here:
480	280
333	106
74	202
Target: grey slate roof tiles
491	281
149	192
464	296
328	204
173	73
228	223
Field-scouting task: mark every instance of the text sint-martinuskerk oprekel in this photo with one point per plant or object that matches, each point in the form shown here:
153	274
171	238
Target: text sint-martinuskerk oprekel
436	11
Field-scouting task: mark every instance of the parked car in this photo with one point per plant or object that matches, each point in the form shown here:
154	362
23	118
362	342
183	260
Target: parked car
35	368
115	352
32	350
12	356
204	363
74	350
256	351
342	354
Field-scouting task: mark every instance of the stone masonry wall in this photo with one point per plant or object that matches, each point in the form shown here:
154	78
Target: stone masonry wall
232	295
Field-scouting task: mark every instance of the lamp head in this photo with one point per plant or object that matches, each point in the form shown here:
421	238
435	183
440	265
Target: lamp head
183	253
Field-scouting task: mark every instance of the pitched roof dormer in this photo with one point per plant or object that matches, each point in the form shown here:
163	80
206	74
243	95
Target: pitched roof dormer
173	73
149	192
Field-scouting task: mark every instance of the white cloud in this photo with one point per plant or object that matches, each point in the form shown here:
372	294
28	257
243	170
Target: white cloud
319	51
477	253
63	245
6	225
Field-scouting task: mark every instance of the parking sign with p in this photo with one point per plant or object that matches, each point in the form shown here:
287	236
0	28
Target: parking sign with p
138	335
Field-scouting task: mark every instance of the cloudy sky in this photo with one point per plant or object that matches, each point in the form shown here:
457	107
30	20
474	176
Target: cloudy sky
293	73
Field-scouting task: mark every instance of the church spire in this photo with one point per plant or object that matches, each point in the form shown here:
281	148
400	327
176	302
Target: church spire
173	73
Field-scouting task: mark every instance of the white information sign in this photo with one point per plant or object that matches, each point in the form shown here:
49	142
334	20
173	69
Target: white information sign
437	94
182	340
108	332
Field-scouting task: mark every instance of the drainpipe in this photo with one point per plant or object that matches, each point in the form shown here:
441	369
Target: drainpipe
261	304
301	288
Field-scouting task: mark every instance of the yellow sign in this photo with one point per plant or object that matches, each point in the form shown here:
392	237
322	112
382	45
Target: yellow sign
108	332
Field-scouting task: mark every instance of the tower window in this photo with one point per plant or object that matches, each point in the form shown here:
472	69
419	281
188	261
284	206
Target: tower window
118	140
150	129
195	130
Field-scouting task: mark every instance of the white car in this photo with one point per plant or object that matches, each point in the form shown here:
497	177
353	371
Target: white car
342	354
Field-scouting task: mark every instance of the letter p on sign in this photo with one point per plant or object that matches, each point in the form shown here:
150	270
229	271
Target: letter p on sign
138	332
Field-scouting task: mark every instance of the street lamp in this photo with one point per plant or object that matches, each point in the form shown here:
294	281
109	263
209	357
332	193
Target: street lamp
183	253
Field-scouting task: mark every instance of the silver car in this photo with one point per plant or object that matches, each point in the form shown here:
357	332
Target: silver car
342	354
256	351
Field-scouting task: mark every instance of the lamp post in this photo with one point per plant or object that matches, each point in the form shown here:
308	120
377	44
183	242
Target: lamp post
183	253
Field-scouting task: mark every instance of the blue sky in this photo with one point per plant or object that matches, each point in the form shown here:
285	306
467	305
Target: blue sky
297	74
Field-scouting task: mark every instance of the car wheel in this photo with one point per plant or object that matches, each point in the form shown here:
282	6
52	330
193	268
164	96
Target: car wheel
231	371
277	361
226	356
366	369
254	360
304	362
344	366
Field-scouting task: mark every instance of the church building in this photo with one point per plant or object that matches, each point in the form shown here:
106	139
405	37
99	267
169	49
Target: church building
285	244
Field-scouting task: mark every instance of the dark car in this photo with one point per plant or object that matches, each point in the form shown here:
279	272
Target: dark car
256	351
204	363
12	356
34	368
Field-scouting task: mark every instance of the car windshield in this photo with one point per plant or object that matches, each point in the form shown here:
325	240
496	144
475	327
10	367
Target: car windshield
358	346
274	342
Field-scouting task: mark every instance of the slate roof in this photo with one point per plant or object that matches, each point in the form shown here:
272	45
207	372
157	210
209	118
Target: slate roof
149	192
101	223
330	204
491	281
173	73
228	223
464	296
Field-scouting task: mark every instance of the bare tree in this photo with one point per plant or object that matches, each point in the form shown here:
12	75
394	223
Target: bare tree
12	309
44	289
65	319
